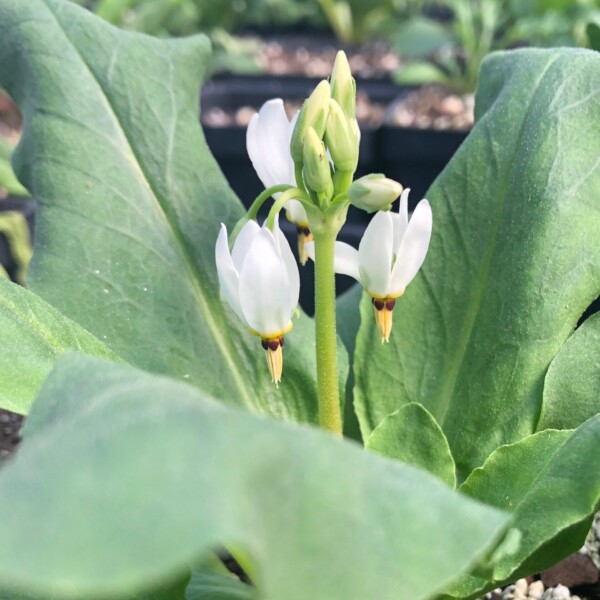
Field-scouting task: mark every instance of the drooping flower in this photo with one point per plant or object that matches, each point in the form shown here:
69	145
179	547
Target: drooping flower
389	256
268	140
259	279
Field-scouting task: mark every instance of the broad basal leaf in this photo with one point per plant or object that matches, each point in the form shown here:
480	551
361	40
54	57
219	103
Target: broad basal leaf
32	336
514	260
572	385
411	435
130	202
148	476
550	482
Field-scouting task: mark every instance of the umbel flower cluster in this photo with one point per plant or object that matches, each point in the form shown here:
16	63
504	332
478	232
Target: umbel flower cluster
307	166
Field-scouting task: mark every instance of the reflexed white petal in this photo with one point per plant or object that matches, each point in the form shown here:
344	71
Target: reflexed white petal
228	275
268	143
296	213
401	220
242	243
290	264
264	287
413	248
375	254
345	261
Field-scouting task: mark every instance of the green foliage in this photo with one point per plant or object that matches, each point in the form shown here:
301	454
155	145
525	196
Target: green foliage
412	435
8	182
572	384
139	274
15	229
152	467
180	474
454	48
34	334
514	213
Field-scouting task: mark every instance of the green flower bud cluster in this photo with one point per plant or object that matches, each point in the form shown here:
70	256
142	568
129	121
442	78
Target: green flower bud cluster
325	144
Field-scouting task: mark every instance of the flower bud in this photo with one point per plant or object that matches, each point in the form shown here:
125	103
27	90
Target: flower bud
313	114
317	173
342	137
343	86
374	192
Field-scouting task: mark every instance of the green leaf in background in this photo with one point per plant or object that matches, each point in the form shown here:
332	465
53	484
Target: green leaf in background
128	215
572	384
420	37
419	73
34	334
514	260
211	584
147	476
554	489
592	31
8	180
411	435
14	227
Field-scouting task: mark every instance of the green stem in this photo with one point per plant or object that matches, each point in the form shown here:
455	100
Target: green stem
290	194
342	181
255	207
327	375
264	196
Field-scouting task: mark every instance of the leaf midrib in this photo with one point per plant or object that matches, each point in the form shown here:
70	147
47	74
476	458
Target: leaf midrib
181	245
451	373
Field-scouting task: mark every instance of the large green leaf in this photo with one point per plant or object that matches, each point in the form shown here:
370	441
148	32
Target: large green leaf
514	260
550	482
33	335
572	385
411	435
130	202
146	476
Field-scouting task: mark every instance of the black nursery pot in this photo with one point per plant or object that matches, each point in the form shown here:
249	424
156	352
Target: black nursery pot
415	157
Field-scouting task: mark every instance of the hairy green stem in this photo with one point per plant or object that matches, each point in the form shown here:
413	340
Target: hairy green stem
330	417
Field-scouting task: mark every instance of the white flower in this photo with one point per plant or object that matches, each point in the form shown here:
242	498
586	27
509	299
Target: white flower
268	143
259	279
389	256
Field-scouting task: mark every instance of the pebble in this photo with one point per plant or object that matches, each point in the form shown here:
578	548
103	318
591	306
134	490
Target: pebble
560	592
522	590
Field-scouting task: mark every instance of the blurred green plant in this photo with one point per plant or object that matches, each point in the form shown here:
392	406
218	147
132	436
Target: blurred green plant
450	51
9	184
15	229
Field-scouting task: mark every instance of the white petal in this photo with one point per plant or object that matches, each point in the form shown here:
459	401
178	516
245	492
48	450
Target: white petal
401	220
264	287
242	243
296	213
375	254
413	248
290	264
345	261
228	275
268	143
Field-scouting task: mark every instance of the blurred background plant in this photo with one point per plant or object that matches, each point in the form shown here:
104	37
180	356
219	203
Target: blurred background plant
449	50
